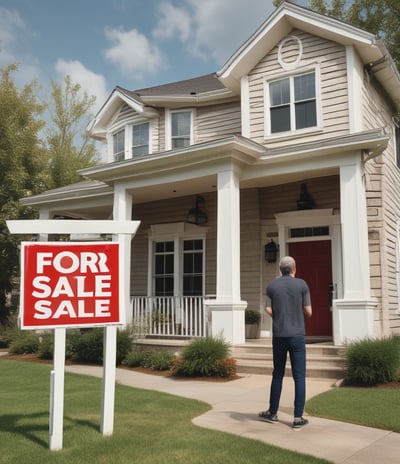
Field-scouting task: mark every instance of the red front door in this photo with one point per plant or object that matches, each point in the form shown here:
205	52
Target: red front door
314	265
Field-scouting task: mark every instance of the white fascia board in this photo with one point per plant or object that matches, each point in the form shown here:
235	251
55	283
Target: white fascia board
201	98
98	127
239	148
72	226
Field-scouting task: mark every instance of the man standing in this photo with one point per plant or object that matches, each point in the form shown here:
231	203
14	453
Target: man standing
288	302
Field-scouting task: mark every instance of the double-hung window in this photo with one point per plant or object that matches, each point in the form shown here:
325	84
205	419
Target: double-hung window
140	139
178	267
181	129
292	103
164	268
119	145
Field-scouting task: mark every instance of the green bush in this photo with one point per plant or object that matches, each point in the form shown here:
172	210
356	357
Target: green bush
159	361
88	346
373	361
136	358
251	316
155	360
46	346
25	343
204	357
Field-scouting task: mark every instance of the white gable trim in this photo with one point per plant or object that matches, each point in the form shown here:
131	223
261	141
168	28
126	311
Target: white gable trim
277	26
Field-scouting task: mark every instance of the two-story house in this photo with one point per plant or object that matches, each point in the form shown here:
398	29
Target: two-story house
289	149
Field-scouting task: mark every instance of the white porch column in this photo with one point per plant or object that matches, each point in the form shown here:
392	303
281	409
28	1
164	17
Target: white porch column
227	311
353	313
122	211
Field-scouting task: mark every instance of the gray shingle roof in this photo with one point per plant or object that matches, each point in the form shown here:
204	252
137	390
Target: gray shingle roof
194	86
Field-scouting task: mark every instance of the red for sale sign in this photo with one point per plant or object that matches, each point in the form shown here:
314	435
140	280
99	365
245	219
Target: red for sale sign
67	284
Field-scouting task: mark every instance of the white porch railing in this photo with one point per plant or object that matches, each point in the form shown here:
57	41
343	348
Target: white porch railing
182	316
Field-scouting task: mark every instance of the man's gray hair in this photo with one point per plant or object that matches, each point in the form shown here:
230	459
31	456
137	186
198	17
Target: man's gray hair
287	265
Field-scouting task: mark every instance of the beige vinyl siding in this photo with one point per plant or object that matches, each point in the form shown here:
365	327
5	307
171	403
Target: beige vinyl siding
331	59
218	121
125	114
250	252
166	212
283	198
382	191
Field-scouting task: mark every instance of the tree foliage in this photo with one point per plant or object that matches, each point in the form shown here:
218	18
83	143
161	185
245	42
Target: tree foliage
22	168
68	144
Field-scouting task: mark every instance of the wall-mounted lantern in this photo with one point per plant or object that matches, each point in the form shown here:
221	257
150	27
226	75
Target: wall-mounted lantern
196	215
271	252
305	200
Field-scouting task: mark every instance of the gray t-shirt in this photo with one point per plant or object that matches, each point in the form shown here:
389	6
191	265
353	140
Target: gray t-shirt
287	297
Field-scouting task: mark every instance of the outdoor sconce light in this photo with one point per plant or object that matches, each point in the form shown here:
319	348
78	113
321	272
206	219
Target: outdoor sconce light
271	252
305	200
196	215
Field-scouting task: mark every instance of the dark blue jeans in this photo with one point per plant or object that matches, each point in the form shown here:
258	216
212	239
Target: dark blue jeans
296	348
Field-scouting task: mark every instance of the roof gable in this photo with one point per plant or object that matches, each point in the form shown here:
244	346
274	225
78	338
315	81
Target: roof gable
288	17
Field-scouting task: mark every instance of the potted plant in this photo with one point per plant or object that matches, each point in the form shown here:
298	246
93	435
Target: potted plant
252	323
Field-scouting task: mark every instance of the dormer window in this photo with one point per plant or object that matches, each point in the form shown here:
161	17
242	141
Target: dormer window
119	145
292	103
140	139
181	129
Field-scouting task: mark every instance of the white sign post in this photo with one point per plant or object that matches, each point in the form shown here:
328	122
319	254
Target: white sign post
73	285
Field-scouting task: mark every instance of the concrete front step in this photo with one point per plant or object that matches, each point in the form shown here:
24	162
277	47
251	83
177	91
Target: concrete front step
323	360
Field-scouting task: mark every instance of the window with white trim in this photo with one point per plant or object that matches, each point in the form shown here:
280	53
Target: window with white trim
119	145
292	103
181	129
140	139
178	267
164	272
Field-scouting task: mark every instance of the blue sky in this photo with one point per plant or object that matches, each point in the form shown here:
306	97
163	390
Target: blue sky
130	43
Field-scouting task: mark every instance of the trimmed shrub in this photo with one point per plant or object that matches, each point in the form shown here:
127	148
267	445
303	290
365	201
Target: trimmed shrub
155	360
46	346
159	361
87	346
135	359
25	343
205	357
251	316
373	361
124	345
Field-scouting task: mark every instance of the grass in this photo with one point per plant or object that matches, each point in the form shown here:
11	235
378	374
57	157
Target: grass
372	407
149	427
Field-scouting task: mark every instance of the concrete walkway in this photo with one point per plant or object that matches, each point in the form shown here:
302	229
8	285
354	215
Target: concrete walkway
235	406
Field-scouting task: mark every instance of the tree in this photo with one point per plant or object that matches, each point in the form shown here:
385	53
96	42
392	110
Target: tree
68	144
22	169
380	17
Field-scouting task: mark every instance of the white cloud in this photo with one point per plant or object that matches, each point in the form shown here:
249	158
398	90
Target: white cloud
11	24
211	28
173	21
14	35
92	83
133	53
221	26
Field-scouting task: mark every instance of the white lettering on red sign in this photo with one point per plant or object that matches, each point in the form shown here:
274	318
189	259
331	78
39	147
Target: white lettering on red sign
73	286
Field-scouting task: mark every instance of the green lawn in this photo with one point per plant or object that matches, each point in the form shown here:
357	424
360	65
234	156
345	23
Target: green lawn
150	427
373	407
